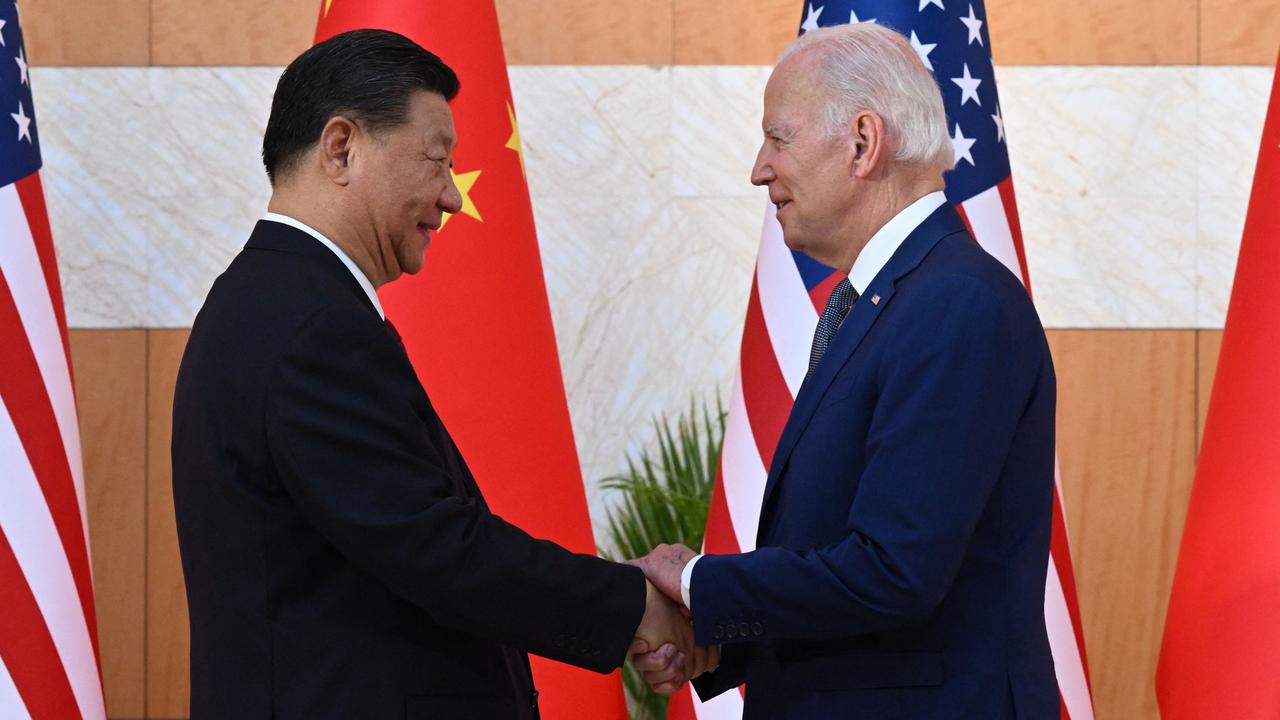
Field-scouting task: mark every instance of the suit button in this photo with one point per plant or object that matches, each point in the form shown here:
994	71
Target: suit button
718	633
731	632
744	629
757	629
558	641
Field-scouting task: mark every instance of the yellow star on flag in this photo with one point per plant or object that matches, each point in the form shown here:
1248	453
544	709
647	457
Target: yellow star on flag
464	182
327	3
513	142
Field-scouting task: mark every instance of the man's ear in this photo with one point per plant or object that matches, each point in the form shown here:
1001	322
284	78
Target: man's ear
866	131
336	147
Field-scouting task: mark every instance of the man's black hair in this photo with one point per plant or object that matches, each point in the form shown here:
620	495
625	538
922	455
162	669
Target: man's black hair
367	76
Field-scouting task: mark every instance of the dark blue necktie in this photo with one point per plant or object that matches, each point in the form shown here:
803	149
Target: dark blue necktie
842	298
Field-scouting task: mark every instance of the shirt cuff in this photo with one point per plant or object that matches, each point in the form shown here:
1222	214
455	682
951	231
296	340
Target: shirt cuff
686	575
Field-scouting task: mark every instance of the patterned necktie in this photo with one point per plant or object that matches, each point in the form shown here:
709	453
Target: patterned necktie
842	298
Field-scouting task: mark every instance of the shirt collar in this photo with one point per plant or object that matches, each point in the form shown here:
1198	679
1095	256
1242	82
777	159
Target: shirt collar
346	260
875	255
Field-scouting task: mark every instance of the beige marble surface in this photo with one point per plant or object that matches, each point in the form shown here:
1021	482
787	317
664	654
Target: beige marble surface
1104	171
1132	184
153	178
1232	107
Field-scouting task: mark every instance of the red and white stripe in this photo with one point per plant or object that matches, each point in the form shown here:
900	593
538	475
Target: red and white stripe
781	318
48	630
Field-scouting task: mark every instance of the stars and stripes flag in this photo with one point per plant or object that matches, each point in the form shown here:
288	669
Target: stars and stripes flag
476	321
790	290
48	630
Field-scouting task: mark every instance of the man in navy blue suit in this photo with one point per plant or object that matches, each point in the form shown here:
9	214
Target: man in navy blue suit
904	533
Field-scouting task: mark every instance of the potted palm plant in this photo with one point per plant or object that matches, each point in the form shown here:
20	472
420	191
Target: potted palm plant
663	498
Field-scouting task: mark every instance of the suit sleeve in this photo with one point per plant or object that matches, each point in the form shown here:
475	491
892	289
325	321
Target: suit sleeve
952	389
731	673
360	464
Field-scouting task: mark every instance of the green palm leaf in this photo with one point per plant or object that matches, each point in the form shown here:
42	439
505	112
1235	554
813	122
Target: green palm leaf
664	498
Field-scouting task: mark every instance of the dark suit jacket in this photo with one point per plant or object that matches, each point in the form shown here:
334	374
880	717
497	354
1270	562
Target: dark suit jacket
904	536
340	561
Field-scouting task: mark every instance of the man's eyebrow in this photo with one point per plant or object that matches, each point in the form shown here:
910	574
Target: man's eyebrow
447	139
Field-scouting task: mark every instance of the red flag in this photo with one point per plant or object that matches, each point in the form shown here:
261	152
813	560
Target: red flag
476	321
1221	651
48	627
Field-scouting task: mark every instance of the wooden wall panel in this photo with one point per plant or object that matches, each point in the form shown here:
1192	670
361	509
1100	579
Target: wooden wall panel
1126	443
168	632
231	32
650	32
1093	32
1208	343
111	399
586	32
733	32
75	32
1239	32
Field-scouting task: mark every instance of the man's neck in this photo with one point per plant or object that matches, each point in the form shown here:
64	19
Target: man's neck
883	207
323	220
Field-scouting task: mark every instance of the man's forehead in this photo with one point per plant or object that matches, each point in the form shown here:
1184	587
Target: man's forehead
435	118
788	98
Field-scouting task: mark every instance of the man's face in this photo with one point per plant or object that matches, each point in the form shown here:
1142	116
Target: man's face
808	172
404	182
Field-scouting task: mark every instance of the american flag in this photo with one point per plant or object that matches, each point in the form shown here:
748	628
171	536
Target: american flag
790	290
48	631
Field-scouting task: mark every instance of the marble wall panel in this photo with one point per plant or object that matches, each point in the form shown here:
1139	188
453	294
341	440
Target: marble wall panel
1232	105
647	300
153	176
594	131
96	129
153	180
208	181
715	129
1105	174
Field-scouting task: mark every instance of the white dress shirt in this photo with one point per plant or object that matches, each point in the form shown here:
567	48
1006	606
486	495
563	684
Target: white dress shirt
874	256
346	260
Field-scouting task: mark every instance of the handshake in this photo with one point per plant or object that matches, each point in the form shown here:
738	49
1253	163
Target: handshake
663	650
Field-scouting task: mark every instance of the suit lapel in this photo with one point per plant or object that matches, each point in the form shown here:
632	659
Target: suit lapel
278	237
864	313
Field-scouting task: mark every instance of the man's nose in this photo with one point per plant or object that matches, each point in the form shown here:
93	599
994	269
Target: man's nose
450	200
762	171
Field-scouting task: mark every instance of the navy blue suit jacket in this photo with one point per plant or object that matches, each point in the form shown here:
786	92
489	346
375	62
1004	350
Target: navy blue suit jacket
904	536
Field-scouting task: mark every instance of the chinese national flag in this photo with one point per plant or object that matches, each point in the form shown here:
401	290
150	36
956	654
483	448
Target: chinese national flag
1221	652
476	321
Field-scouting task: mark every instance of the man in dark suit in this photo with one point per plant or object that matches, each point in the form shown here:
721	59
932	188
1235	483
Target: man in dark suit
904	533
340	560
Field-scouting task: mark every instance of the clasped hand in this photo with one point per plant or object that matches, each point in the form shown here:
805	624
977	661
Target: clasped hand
663	650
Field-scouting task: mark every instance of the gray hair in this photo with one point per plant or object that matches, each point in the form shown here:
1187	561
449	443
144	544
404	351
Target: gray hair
869	67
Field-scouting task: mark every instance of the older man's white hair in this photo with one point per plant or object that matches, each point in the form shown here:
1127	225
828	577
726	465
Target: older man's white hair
868	67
